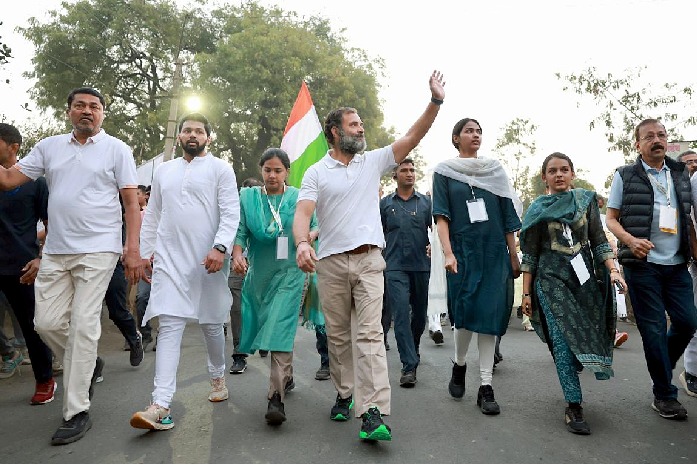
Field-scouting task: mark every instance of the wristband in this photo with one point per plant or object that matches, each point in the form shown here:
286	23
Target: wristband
300	242
436	101
614	270
526	295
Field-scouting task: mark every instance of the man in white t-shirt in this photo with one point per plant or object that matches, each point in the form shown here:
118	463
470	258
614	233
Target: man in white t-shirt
349	261
85	170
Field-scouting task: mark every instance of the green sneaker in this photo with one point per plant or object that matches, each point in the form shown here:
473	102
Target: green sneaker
342	408
373	428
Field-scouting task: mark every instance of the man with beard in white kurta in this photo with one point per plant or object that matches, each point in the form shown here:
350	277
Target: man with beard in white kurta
190	224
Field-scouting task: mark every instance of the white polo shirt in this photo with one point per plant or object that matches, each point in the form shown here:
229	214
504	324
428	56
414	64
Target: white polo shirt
347	200
84	212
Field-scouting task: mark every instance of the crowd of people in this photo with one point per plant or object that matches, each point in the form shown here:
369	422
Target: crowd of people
339	258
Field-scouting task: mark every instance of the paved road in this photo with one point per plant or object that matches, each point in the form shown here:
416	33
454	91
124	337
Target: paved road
428	426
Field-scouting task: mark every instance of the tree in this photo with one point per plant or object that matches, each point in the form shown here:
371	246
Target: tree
5	55
252	77
516	147
624	101
246	62
126	49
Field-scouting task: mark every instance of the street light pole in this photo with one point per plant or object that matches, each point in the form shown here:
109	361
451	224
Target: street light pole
172	120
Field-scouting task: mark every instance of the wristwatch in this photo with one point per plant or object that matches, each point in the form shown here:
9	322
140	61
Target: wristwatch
220	248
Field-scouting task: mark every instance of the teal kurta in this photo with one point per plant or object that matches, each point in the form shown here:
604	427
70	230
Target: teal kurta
585	314
481	293
272	293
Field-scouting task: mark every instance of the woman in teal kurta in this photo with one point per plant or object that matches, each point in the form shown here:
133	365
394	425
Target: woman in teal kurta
567	268
476	213
274	286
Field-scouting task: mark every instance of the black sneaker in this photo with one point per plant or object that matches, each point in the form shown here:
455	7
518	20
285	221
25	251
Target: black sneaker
96	376
239	364
689	383
342	409
408	379
323	373
670	409
486	401
456	387
573	416
137	351
263	353
275	413
387	345
290	385
373	428
437	336
72	430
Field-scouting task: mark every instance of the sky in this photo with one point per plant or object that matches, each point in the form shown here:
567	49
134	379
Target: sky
499	59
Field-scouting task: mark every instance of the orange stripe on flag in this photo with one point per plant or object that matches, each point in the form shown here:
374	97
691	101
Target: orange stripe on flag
302	105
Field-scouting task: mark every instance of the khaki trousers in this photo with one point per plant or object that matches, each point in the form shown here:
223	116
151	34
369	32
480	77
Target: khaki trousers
351	287
281	371
69	292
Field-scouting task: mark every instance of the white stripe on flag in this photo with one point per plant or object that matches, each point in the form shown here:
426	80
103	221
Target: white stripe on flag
301	135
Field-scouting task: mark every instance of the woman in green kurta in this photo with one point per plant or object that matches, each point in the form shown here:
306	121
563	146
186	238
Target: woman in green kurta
567	268
477	214
274	286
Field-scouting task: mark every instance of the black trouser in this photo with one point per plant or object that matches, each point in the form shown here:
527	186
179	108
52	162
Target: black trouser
116	303
235	283
21	299
321	345
142	299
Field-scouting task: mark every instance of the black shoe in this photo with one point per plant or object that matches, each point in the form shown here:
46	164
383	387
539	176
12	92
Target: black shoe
573	416
408	379
456	387
437	336
290	385
263	353
498	358
275	413
373	428
239	364
387	345
96	376
342	409
519	312
670	409
137	352
72	430
323	373
486	401
689	383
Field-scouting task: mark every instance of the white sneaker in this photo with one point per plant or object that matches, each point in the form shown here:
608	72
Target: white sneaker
155	417
219	391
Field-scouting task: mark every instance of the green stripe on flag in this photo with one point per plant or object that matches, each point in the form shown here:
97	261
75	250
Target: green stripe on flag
312	154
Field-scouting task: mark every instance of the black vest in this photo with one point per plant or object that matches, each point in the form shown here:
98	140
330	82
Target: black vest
636	213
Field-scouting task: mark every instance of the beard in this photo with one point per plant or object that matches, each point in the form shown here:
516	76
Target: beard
351	144
194	150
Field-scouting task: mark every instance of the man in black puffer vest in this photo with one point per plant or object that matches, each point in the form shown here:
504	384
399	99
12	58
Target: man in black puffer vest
649	213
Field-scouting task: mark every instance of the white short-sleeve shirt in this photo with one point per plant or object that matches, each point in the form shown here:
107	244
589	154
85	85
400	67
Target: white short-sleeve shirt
347	200
84	212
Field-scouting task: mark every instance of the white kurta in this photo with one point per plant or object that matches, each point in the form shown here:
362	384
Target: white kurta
193	205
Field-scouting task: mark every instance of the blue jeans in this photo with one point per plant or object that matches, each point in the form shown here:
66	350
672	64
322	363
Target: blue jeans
654	290
407	295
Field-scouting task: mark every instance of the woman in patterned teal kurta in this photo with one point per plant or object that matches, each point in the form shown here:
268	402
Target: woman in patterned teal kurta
476	212
571	302
274	286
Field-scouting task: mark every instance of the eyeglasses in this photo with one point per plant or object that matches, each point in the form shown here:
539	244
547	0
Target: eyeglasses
650	137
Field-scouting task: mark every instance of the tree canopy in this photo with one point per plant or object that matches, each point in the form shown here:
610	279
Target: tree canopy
245	62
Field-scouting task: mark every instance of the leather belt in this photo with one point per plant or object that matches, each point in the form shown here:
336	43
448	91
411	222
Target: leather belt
361	249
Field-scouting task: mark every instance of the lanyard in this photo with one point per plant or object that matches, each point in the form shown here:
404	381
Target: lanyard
276	213
660	187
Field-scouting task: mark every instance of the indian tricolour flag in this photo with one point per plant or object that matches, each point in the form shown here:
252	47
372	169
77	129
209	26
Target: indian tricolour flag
303	139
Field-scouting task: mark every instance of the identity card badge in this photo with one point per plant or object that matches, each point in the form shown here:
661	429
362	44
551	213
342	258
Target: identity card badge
282	247
477	211
580	269
668	219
